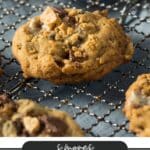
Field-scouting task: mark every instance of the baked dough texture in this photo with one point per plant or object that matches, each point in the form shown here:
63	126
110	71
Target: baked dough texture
137	105
25	118
71	45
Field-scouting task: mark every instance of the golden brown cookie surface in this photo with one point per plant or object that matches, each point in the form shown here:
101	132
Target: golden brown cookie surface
137	105
71	46
27	118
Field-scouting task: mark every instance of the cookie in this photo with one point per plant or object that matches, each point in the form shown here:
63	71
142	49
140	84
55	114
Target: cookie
71	45
137	105
27	118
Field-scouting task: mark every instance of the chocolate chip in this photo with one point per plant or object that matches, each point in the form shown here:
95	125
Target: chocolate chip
8	103
61	12
66	55
141	127
19	126
21	131
59	63
4	99
69	20
64	15
52	126
52	36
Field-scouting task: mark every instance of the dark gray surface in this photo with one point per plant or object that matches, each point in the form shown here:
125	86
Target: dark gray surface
96	106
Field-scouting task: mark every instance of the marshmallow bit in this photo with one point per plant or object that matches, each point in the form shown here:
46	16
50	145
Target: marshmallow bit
138	99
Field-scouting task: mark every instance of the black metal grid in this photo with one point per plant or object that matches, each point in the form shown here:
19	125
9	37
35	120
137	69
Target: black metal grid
96	106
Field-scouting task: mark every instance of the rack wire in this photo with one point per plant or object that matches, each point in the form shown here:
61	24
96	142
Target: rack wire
96	106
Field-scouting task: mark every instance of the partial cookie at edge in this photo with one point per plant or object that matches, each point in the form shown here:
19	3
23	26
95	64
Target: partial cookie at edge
137	105
27	118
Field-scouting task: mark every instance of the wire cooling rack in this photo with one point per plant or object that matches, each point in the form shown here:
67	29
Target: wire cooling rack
96	106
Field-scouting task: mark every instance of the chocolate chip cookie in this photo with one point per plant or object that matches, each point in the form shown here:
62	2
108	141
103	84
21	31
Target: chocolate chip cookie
27	118
71	45
137	105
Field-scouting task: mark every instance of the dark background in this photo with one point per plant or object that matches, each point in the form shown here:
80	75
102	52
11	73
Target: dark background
20	149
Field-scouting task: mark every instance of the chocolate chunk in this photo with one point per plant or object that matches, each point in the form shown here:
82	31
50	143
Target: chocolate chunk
60	63
21	131
64	15
19	125
7	105
52	36
4	99
53	126
61	12
69	20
